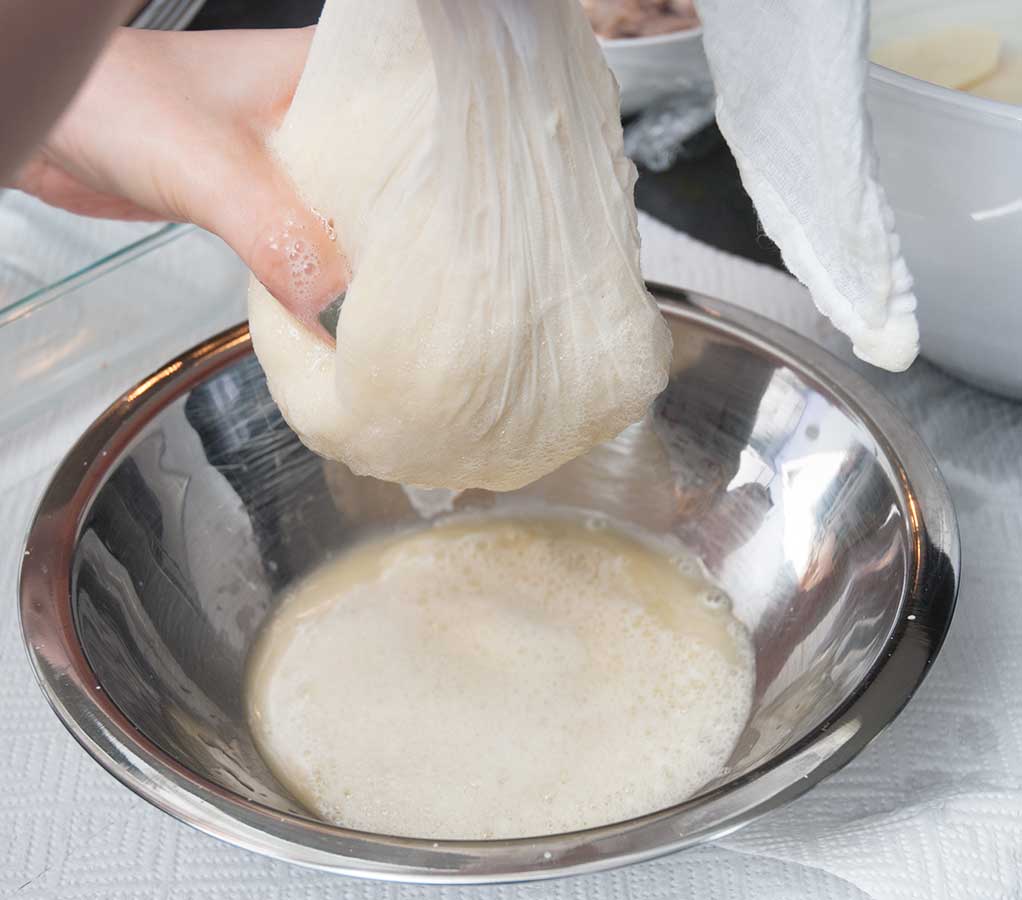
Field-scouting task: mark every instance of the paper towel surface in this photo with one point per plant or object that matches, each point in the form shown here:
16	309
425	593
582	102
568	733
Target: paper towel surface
933	809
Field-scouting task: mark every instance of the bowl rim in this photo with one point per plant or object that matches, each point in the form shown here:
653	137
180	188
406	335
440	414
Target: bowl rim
939	93
72	690
679	35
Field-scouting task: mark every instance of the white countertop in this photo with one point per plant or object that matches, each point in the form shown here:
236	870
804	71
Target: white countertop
933	809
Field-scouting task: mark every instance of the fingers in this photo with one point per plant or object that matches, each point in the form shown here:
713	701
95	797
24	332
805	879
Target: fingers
289	247
184	141
54	186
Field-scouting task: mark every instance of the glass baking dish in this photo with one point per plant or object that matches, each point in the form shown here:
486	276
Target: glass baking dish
69	349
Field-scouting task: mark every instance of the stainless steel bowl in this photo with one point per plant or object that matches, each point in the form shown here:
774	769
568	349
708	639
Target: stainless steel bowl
174	523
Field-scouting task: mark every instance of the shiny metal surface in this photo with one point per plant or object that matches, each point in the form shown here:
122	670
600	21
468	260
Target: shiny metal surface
169	529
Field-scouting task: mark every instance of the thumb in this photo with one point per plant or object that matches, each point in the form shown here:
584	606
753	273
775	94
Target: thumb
290	247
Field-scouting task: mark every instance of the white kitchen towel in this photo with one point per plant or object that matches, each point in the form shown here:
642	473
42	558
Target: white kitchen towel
790	77
933	809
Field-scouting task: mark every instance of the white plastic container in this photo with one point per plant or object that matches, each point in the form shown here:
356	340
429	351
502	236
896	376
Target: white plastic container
952	167
647	68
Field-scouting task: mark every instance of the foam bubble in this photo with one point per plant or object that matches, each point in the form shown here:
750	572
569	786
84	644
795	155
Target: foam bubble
327	223
687	565
715	599
302	259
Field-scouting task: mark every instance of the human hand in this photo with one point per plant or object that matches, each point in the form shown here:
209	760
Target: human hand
173	127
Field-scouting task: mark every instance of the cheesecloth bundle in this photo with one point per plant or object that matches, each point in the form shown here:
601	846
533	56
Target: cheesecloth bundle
496	324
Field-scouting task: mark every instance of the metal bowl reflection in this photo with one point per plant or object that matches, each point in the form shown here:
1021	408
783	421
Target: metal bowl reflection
172	526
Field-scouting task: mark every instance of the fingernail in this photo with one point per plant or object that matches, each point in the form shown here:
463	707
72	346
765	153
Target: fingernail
331	313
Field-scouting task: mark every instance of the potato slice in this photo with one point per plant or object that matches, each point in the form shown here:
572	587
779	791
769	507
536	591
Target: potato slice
1005	84
955	57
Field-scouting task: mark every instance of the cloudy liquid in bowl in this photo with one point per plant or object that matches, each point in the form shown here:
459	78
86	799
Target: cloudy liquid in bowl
499	677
